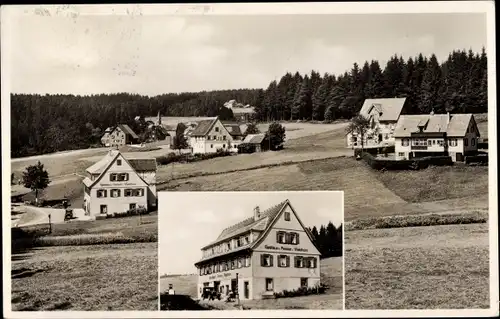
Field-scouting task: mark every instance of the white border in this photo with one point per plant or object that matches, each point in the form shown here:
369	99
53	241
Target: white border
10	12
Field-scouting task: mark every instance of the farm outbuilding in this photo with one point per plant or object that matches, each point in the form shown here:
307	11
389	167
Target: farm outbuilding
254	143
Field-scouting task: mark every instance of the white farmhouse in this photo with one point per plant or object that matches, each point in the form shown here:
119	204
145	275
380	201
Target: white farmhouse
211	135
383	115
454	135
116	184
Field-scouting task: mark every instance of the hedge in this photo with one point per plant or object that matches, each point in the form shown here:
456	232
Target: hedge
481	159
130	212
302	291
375	150
188	158
413	164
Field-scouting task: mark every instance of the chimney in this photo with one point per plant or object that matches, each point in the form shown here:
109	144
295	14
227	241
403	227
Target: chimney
256	213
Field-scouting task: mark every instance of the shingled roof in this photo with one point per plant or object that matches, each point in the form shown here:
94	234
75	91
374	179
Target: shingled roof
233	129
203	127
143	165
453	124
127	130
250	223
390	108
254	138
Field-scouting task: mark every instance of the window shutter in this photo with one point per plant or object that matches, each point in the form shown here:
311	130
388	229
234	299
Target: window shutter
288	261
271	258
278	237
262	263
296	262
297	234
288	238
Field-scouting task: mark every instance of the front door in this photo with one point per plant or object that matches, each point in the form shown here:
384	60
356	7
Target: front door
246	289
269	284
104	209
234	285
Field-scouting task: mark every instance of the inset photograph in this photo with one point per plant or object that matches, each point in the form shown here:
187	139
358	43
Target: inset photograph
251	250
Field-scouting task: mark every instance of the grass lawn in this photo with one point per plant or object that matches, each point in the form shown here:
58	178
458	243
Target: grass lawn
98	277
331	274
433	267
367	193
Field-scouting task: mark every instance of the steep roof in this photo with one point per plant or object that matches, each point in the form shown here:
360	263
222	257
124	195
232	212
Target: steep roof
143	165
203	127
233	129
254	138
100	166
390	108
250	223
433	123
127	130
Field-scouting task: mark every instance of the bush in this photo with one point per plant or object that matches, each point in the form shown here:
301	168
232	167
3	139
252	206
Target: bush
480	159
176	158
302	291
246	148
413	164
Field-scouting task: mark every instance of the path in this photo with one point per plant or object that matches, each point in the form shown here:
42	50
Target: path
41	215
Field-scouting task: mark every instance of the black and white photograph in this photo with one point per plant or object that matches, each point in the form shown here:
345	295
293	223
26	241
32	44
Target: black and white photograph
133	134
250	250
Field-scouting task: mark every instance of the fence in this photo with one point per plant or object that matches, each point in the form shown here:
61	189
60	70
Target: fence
412	164
480	159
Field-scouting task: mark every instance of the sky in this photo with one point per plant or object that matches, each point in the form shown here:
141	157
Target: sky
162	54
189	221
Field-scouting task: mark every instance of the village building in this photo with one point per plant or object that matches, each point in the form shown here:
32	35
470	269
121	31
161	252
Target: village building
105	137
269	252
383	115
211	135
257	142
116	184
119	136
454	135
243	114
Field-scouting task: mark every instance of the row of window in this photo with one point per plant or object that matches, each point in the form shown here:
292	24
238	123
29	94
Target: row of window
287	238
216	138
267	260
129	192
440	142
225	247
227	265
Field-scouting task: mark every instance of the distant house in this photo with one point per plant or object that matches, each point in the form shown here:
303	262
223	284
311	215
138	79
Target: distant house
209	136
257	142
455	135
105	137
236	133
116	184
268	252
383	115
17	193
120	135
243	114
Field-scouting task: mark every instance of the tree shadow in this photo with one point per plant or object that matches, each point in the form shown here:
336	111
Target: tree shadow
180	302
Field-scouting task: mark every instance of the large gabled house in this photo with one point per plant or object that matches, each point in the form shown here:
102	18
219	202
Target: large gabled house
115	185
118	136
269	252
383	115
211	135
454	135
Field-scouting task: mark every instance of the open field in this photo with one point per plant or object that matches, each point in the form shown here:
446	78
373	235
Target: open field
98	277
367	193
433	267
331	274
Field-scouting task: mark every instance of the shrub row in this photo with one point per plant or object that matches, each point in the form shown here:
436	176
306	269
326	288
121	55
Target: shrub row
475	217
130	212
413	164
188	158
374	151
481	159
302	291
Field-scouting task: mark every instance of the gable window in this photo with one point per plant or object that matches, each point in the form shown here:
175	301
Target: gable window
294	238
299	262
115	193
211	145
240	262
283	261
112	177
266	260
453	142
119	162
281	237
473	141
247	240
287	216
405	142
123	177
466	141
217	129
224	137
247	261
101	193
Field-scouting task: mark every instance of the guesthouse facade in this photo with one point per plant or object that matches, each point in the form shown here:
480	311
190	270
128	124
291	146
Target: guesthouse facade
211	135
454	135
269	252
119	136
383	115
116	184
